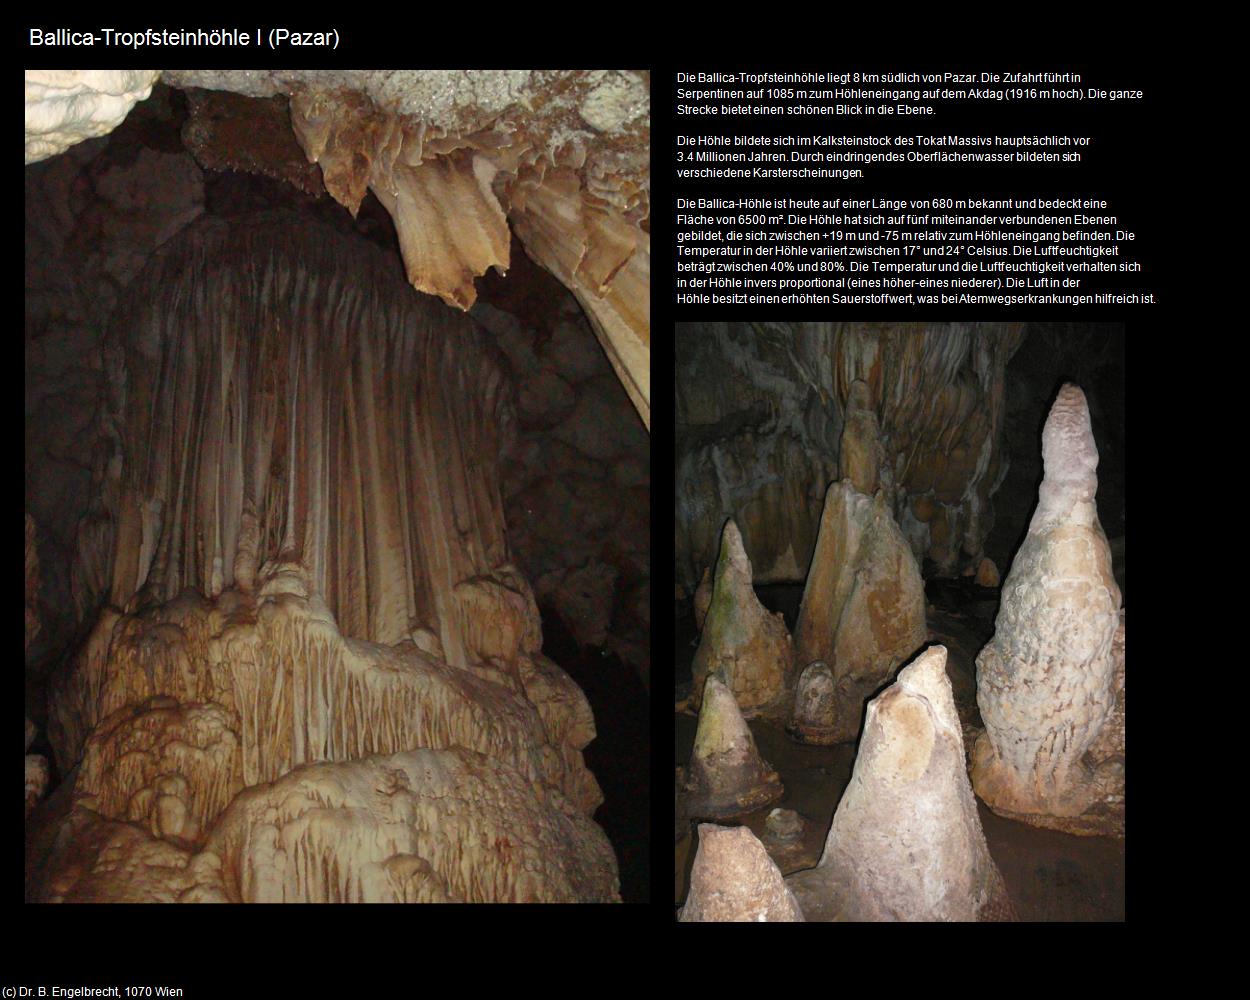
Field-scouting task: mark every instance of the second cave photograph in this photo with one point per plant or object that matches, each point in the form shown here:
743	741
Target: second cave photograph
899	621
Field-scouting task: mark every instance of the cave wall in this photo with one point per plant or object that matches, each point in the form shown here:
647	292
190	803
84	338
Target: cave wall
760	413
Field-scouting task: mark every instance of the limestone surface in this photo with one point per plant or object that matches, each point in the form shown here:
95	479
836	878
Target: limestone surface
726	777
906	843
422	826
295	691
1050	682
64	107
734	879
742	643
863	603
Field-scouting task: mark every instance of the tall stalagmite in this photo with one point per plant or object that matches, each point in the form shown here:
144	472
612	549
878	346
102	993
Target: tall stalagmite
745	645
863	604
1050	683
300	558
906	842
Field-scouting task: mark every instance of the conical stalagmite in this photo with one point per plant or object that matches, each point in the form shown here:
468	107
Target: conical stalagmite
741	642
906	842
863	604
815	706
734	879
726	776
1050	682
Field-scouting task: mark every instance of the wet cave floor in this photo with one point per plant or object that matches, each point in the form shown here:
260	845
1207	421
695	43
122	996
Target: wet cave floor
1050	876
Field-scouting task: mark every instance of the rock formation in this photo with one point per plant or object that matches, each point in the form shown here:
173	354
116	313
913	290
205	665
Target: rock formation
422	826
768	413
726	777
906	842
815	706
742	643
64	107
863	604
734	879
324	579
1050	682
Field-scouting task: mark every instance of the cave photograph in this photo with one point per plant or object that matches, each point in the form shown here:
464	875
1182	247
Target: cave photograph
899	621
337	505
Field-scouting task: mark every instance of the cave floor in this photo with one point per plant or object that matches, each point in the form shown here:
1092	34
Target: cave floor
1050	876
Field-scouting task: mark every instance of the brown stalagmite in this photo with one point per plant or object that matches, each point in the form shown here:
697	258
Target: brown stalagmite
815	706
727	777
863	603
1050	683
906	842
734	879
744	644
860	455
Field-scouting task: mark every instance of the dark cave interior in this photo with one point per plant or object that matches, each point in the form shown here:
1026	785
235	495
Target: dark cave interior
764	423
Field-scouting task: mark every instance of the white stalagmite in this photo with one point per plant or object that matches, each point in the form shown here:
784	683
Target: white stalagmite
734	879
1050	684
906	842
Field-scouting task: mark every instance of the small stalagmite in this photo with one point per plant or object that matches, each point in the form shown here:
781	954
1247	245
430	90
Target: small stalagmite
815	706
906	842
734	879
727	777
744	644
863	604
1050	683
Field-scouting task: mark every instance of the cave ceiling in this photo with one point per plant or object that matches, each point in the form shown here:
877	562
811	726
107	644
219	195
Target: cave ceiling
457	158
